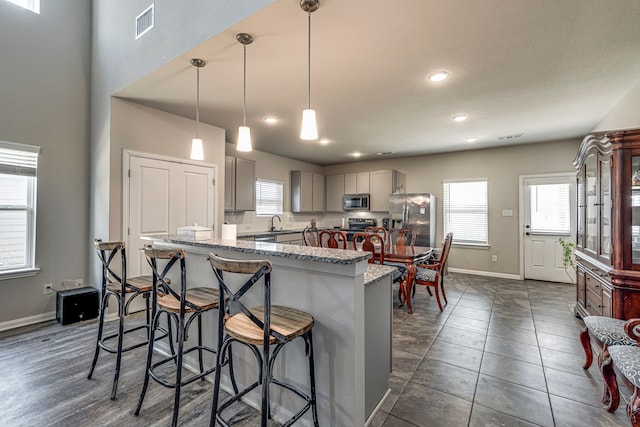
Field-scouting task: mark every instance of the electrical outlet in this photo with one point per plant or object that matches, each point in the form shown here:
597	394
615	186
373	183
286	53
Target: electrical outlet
494	258
48	288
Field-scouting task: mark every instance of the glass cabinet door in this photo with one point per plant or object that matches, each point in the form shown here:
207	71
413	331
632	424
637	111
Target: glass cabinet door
635	209
581	209
591	204
605	208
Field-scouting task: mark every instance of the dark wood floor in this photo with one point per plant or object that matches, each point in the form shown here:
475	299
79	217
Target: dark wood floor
44	383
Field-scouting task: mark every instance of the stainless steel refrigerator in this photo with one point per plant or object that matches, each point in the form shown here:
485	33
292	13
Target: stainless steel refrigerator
415	211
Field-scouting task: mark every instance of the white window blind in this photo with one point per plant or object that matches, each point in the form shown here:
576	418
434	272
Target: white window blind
18	170
269	197
466	211
32	5
550	206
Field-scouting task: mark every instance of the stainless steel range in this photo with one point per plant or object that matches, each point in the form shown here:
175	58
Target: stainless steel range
357	225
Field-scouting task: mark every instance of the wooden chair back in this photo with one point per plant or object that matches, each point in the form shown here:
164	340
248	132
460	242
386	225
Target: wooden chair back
402	237
109	254
335	239
310	236
444	255
370	242
378	230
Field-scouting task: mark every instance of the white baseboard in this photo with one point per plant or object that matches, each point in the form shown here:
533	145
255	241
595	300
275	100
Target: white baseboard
377	408
25	321
485	273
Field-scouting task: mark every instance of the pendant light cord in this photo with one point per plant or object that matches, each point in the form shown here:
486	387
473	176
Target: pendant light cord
197	100
244	87
309	64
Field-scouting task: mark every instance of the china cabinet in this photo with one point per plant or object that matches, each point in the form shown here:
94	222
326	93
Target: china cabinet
608	231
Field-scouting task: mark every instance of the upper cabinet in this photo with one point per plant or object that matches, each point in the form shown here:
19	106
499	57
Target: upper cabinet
356	183
334	191
239	184
307	192
382	184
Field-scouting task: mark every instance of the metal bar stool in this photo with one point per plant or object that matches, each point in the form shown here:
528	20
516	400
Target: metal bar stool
268	326
176	306
124	289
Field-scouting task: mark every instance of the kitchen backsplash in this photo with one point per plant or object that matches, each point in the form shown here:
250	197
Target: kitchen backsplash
249	221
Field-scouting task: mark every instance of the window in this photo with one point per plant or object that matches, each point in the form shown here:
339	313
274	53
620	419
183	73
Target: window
269	196
32	5
18	167
550	208
466	212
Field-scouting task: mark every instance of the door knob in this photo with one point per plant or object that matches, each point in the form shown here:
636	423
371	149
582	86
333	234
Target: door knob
527	233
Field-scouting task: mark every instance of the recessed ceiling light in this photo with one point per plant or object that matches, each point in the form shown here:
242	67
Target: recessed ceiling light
439	76
356	154
471	139
459	118
324	141
271	119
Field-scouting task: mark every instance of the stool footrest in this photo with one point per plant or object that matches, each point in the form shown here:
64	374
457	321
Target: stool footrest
173	358
103	342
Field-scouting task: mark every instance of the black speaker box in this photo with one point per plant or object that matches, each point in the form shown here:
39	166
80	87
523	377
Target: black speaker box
74	305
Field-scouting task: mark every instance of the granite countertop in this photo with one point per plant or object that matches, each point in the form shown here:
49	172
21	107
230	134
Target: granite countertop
267	233
310	253
377	272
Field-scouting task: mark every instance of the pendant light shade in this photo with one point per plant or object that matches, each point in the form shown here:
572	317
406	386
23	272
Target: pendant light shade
309	130
197	148
244	132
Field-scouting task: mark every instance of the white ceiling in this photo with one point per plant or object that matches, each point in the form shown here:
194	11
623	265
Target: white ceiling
546	69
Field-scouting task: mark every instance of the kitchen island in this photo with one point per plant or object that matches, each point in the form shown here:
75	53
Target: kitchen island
351	302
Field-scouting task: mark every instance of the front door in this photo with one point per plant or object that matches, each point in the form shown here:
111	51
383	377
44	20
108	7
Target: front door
549	213
162	196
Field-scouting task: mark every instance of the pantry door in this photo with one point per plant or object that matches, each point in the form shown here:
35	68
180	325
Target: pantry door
162	195
549	208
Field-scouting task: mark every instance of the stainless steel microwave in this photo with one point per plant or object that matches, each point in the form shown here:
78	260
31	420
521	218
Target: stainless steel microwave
355	202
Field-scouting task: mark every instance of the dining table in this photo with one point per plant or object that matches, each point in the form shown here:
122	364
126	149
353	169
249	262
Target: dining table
409	256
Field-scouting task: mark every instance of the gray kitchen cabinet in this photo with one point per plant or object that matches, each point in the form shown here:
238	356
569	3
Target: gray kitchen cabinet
335	189
357	183
307	192
239	184
382	184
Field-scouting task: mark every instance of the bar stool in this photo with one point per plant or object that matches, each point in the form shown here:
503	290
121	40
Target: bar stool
124	289
267	325
176	306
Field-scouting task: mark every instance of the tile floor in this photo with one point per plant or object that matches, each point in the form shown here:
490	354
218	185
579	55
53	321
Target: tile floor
502	353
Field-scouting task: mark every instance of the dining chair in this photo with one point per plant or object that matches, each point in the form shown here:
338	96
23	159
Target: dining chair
378	230
370	242
334	239
432	275
402	237
310	236
606	332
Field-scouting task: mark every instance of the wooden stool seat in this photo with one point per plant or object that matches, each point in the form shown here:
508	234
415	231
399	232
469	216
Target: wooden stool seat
204	298
287	321
134	284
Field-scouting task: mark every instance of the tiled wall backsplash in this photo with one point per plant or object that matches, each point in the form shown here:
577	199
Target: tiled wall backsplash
249	221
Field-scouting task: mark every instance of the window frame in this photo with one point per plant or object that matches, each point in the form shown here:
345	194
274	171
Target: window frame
279	211
464	240
29	268
30	5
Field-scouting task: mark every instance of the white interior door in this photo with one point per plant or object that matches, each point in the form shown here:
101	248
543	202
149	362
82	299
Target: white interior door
164	195
549	205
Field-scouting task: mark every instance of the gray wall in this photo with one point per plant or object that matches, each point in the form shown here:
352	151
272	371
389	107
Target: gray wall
44	100
626	114
502	167
119	60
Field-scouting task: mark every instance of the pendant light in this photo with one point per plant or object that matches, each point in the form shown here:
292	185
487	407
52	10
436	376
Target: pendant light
244	132
309	129
197	150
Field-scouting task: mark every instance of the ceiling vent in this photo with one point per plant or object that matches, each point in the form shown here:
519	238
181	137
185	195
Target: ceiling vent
144	22
510	137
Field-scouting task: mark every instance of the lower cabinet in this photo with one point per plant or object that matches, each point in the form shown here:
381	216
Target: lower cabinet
594	292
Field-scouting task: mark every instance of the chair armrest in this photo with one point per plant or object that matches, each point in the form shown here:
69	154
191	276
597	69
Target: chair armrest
632	328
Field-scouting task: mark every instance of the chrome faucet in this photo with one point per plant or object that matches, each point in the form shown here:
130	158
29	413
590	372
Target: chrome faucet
272	218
